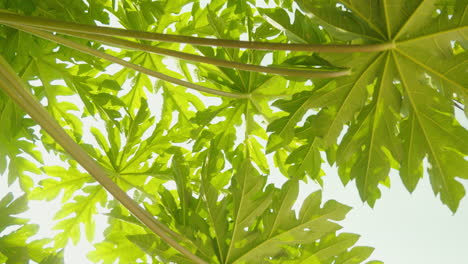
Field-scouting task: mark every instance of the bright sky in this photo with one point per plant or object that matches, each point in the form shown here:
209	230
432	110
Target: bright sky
405	228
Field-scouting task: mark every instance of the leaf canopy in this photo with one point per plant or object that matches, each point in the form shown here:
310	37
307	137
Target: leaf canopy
195	141
15	244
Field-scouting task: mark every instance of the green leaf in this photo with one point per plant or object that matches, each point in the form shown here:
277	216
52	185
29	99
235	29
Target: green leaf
306	160
355	255
16	245
374	132
360	18
83	208
198	162
57	258
148	244
118	244
69	181
439	136
307	32
389	124
11	207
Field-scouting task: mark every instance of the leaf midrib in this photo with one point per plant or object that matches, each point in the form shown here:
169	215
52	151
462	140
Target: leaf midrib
397	34
347	98
440	75
219	35
371	143
79	213
62	184
310	152
369	23
217	238
241	203
300	225
431	35
293	117
426	137
283	203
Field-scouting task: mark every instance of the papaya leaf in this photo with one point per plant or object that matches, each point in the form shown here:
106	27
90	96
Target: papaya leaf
385	119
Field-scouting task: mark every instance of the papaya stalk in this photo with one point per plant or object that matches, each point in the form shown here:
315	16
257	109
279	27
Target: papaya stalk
58	26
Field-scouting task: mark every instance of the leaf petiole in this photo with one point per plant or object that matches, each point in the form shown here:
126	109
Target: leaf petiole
306	73
103	55
56	25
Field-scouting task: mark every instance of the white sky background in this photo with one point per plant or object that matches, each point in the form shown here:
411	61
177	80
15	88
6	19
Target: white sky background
405	228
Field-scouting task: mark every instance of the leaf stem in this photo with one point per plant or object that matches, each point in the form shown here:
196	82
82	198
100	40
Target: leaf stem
12	85
155	175
306	73
56	25
103	55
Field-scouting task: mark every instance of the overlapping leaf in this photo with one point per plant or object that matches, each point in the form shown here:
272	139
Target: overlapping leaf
80	211
77	209
397	103
15	245
116	245
248	221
